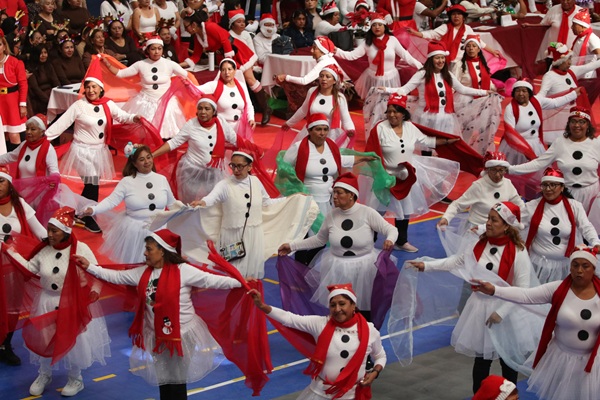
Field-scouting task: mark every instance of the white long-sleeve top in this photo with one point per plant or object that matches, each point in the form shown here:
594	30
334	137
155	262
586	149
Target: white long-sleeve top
593	44
343	346
554	229
90	122
231	103
553	82
553	18
323	104
190	277
481	196
313	74
144	195
27	164
263	46
10	223
155	76
393	49
529	121
324	28
349	232
465	79
221	192
574	317
578	161
441	30
201	140
396	149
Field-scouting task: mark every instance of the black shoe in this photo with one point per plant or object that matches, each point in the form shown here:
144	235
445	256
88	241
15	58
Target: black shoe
91	225
8	356
266	117
446	200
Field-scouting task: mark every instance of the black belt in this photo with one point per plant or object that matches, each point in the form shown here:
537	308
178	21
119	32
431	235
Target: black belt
408	18
8	90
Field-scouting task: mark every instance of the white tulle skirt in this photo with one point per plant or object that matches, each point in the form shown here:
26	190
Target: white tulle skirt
124	239
253	264
560	375
195	181
549	269
92	345
514	157
587	196
90	162
201	355
327	269
368	80
440	121
146	105
480	119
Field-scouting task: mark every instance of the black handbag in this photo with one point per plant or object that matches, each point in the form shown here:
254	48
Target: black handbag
282	45
343	40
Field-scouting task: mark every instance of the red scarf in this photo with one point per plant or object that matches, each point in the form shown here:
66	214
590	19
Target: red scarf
539	214
25	230
402	188
219	91
349	375
304	152
109	120
381	45
453	42
583	50
505	271
432	97
557	300
166	308
218	151
335	113
483	72
40	161
565	25
538	110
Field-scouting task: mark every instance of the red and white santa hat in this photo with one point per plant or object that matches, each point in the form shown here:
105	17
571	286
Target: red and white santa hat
266	18
243	154
234	15
208	98
63	219
522	83
362	3
347	181
494	387
580	112
153	40
435	47
587	253
397	100
495	159
167	240
94	74
324	44
329	8
510	213
341	288
228	59
333	70
40	120
553	175
559	53
582	18
457	8
473	38
378	17
5	174
317	119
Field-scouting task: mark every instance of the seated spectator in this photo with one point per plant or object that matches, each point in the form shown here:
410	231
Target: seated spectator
298	30
41	80
237	28
95	45
122	44
77	15
425	12
350	6
68	65
313	13
50	19
169	50
331	20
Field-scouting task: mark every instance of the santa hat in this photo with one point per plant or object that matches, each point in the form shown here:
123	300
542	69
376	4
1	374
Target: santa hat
167	240
333	70
553	175
266	18
63	219
559	53
580	112
347	181
587	253
494	388
378	17
582	18
329	8
457	8
234	15
510	213
397	100
94	74
435	48
243	154
522	83
153	40
40	120
361	3
324	44
342	288
473	38
208	98
317	119
495	159
5	174
231	60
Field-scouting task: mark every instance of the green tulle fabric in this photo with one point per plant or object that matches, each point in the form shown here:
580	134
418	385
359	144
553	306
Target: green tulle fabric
288	183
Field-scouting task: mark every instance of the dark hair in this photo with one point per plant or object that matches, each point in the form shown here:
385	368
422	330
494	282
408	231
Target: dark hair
249	161
513	234
402	110
129	169
35	52
329	17
112	4
334	92
429	71
64	239
101	88
228	62
67	6
482	61
354	196
89	42
528	91
111	23
299	12
15	198
590	133
198	17
370	36
169	256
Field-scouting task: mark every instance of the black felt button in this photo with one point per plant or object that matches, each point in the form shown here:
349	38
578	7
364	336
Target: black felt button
55	270
322	102
58	256
100	135
27	157
154	70
96	109
152	207
585	314
149	185
577	155
346	242
6	228
583	335
347	224
151	196
155	86
54	286
100	122
489	266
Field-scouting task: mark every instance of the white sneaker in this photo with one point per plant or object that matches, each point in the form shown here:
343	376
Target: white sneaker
409	248
72	387
40	383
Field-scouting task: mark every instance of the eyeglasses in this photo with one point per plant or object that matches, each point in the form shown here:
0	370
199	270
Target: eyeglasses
498	171
550	185
574	121
237	166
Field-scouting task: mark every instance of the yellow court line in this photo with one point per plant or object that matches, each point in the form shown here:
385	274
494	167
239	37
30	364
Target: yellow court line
105	377
425	220
31	397
271	281
272	332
